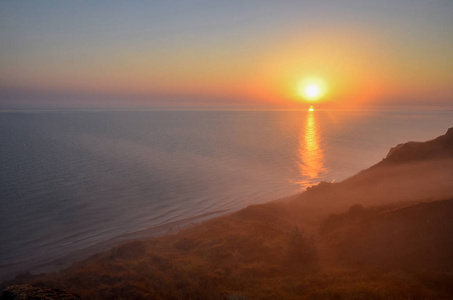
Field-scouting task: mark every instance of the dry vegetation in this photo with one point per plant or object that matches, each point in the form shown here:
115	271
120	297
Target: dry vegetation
265	252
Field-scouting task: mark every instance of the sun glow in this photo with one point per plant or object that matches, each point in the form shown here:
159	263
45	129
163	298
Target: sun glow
312	89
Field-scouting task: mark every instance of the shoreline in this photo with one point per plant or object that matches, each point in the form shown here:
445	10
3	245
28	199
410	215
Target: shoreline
48	266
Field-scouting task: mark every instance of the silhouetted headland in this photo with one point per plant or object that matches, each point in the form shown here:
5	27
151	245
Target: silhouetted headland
413	171
383	233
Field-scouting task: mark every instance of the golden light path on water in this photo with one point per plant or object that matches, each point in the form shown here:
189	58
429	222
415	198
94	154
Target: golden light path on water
311	156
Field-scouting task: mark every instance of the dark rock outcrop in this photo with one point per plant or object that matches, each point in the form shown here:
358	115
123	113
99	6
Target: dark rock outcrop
28	292
440	147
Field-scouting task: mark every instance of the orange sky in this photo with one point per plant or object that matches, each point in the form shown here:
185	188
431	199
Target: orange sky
251	56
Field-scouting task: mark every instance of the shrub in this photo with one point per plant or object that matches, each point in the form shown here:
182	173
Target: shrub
301	251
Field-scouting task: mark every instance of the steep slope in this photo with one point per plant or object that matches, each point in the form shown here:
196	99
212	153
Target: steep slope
412	171
438	148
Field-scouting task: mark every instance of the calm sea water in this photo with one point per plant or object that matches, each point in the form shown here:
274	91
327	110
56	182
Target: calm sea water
72	179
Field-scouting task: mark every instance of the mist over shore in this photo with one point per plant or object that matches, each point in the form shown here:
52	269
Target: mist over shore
384	232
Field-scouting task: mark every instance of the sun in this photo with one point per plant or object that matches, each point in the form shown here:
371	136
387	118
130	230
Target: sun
312	89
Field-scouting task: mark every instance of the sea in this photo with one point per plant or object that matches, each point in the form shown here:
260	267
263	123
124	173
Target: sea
74	179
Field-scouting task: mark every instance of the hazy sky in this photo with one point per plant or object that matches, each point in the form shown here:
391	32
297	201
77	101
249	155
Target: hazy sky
224	53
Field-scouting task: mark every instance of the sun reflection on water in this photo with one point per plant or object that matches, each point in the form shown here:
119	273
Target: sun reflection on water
311	156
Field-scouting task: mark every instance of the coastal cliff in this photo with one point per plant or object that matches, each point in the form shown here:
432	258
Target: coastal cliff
414	171
383	233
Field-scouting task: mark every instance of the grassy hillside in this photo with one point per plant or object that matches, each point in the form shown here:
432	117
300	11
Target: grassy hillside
259	253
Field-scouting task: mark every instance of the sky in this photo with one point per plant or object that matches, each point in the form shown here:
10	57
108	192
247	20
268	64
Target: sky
228	54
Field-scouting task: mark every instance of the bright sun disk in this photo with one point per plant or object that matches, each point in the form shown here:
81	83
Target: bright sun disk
312	89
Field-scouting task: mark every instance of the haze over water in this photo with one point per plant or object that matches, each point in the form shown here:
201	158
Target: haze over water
71	179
